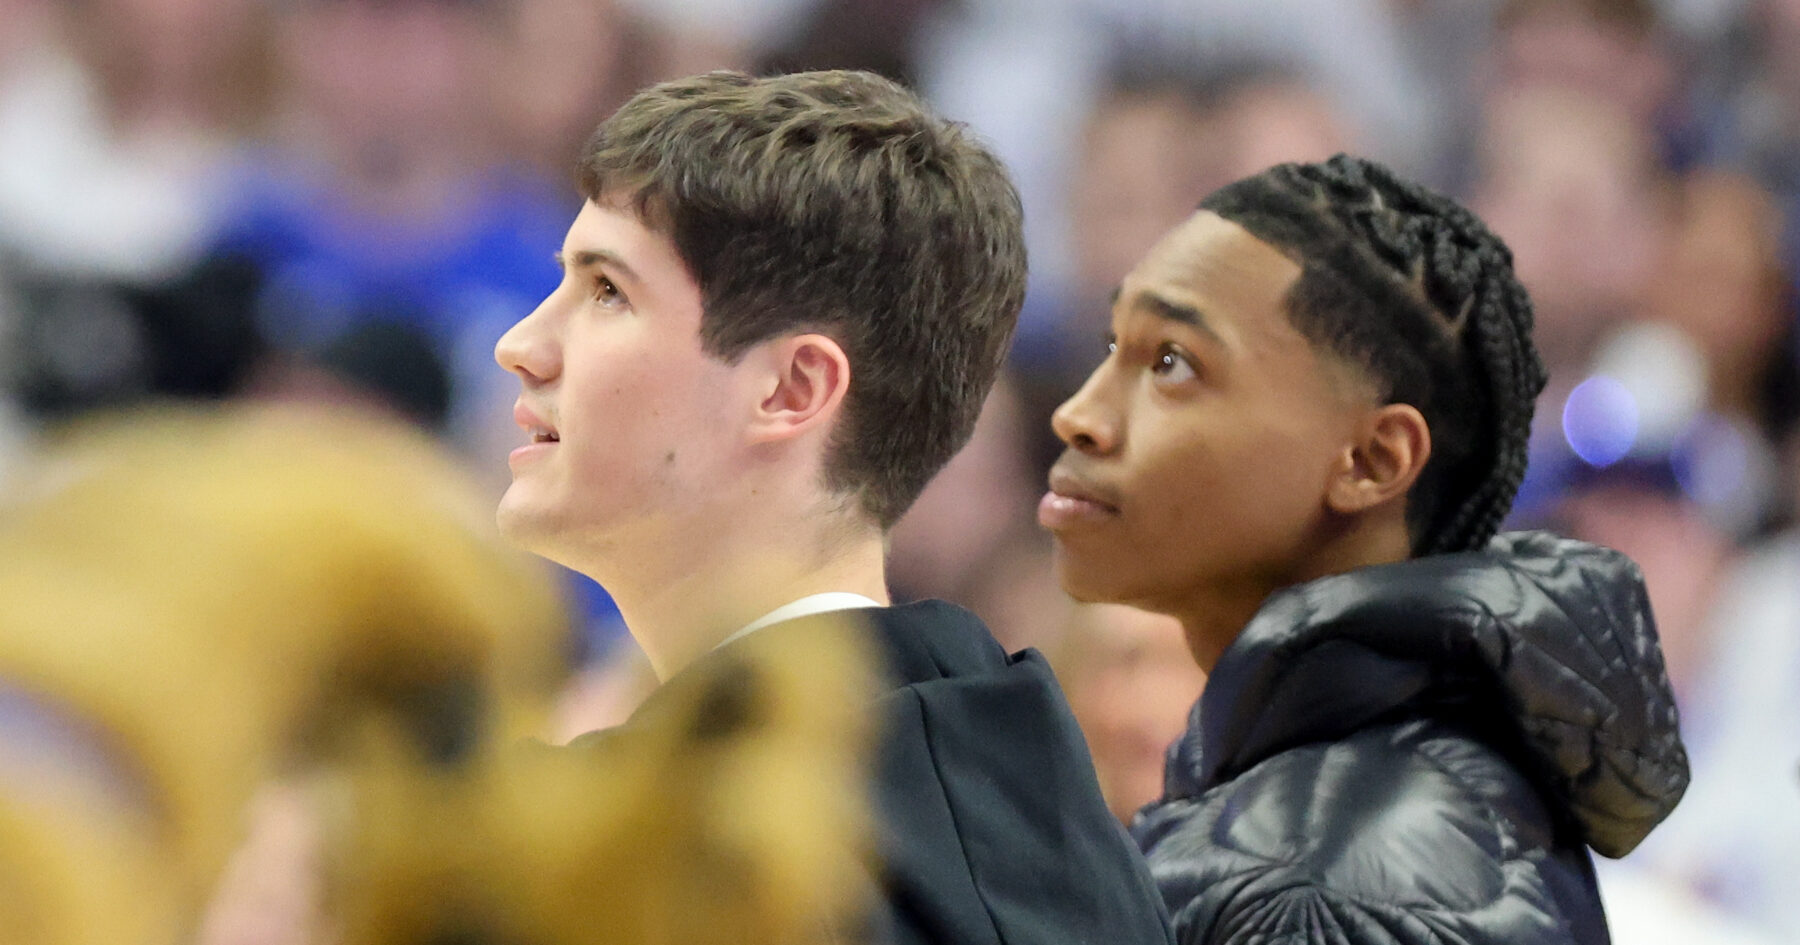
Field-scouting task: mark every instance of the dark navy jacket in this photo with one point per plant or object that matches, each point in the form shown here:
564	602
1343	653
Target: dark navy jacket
992	828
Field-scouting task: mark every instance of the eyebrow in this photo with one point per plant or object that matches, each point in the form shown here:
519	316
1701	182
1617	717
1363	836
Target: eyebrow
1169	310
589	258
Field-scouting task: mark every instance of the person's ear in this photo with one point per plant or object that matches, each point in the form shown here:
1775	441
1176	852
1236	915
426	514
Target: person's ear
804	389
1388	452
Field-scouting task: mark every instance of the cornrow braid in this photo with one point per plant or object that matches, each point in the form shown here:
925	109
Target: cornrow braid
1413	287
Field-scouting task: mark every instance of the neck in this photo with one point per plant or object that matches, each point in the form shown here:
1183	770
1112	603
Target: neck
686	596
1211	621
1212	618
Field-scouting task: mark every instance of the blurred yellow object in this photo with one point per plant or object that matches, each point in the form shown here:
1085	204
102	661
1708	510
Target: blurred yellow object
732	810
77	870
208	598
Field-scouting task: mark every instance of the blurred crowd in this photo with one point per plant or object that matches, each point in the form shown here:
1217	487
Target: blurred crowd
345	202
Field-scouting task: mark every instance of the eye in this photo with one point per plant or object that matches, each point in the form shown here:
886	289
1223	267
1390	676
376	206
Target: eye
1172	365
607	293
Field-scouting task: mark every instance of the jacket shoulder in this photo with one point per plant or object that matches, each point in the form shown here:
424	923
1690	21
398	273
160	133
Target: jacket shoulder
994	829
1398	835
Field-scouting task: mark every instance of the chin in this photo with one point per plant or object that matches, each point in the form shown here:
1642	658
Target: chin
533	537
1116	579
522	525
1085	582
514	532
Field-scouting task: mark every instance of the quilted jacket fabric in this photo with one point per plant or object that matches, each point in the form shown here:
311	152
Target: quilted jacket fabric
1422	754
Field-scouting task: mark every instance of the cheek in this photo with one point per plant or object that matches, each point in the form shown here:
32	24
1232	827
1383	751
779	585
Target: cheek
1233	499
612	409
1195	486
663	417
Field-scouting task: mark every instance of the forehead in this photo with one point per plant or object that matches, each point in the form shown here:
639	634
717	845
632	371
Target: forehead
643	255
1218	267
614	224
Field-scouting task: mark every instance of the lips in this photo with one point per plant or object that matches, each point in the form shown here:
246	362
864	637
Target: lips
1073	502
544	436
540	430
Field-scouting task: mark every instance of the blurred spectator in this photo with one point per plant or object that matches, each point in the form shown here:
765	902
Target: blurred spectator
1723	285
1701	388
1131	683
1149	150
379	367
693	36
1746	88
972	537
1269	116
880	36
27	29
114	127
1027	74
1352	50
986	494
1162	137
382	201
1443	41
566	65
89	344
1611	48
397	366
1017	594
1722	282
1572	182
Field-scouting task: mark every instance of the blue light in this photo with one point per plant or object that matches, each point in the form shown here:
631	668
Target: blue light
1600	421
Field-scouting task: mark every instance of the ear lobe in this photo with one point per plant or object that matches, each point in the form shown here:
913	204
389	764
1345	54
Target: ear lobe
811	379
1392	445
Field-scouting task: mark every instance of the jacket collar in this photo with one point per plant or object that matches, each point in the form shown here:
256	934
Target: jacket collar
1551	638
914	643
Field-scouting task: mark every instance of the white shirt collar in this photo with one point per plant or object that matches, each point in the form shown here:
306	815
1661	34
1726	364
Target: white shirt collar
805	607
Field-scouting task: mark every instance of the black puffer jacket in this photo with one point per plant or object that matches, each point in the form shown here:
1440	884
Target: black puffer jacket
1422	754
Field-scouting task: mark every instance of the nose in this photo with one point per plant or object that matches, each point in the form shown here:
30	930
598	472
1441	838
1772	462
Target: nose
529	349
1086	422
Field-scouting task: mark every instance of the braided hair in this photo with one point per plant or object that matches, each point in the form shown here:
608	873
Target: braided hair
1414	288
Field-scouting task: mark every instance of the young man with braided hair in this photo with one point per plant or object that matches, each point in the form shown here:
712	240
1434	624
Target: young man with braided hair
1311	422
782	306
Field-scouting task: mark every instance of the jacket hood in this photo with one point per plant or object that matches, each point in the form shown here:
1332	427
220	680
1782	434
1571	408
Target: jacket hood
1550	640
992	825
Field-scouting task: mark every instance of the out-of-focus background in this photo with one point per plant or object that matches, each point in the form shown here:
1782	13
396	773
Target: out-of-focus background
345	202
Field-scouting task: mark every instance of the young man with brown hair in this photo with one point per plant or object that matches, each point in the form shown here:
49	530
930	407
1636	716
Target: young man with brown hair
783	304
